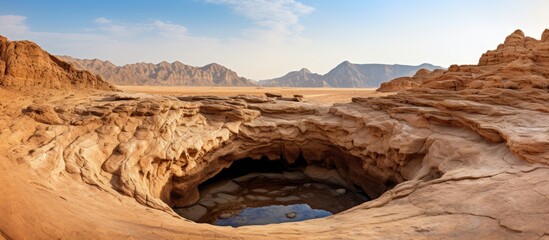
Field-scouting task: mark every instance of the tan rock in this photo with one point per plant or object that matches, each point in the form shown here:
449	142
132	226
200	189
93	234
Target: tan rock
462	160
25	64
324	175
519	63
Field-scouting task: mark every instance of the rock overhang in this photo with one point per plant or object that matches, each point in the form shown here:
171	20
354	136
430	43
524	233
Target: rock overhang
466	162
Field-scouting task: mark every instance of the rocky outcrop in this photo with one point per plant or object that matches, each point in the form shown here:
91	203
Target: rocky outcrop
25	64
415	151
442	162
162	74
519	63
403	83
347	75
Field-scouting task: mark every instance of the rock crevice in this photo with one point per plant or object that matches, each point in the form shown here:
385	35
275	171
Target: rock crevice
464	155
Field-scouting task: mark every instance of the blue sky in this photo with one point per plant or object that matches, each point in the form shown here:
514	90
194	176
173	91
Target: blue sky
262	39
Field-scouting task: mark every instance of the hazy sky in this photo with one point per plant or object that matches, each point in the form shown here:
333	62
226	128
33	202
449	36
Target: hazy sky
262	39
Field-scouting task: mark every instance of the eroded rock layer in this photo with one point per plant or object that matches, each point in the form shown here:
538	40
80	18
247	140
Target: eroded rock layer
403	83
157	150
443	162
519	63
25	64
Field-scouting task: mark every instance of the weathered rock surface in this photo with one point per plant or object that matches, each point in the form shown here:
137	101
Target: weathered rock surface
161	74
404	83
25	64
519	63
462	160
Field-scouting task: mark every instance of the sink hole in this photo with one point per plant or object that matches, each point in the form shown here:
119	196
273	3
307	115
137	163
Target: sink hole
258	192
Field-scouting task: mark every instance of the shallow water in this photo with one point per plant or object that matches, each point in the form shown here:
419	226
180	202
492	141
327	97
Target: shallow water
263	198
272	214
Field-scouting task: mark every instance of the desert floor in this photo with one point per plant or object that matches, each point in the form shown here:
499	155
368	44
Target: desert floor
317	95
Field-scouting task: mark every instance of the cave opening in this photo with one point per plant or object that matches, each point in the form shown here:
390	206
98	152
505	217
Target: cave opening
264	191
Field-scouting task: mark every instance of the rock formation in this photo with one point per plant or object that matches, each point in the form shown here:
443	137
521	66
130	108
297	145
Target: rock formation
162	74
519	63
403	83
347	75
461	156
25	64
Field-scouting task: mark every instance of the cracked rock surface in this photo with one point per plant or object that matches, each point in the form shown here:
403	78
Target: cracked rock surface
443	163
105	163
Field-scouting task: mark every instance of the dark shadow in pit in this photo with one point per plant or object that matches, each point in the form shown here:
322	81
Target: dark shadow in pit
250	165
257	192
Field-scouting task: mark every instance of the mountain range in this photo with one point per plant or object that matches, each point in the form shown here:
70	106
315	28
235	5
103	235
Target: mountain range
347	75
161	74
344	75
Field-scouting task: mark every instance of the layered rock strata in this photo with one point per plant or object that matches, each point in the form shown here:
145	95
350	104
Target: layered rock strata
435	146
25	64
404	83
453	158
520	62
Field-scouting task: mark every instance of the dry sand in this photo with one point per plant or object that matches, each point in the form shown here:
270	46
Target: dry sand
317	95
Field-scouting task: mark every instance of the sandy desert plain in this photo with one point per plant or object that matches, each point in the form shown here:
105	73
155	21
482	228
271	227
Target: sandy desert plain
456	153
314	95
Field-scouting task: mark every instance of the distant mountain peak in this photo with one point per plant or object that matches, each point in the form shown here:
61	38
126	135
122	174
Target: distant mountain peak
304	70
213	64
303	77
345	63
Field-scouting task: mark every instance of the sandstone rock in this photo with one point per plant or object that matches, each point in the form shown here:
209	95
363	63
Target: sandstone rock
428	141
519	63
293	175
398	84
260	190
43	113
25	64
545	35
193	213
291	215
292	99
467	148
404	83
325	175
224	187
273	95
